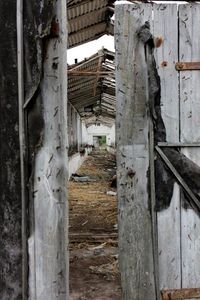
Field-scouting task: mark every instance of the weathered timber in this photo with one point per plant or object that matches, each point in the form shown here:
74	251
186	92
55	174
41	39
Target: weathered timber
195	203
48	261
90	73
135	230
189	41
10	180
95	238
180	145
23	148
168	220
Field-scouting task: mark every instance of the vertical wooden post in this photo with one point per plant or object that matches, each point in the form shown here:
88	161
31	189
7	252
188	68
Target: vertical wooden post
22	142
168	220
135	227
189	39
48	247
10	179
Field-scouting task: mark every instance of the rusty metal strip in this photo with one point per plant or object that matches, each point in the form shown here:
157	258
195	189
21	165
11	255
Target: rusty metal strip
195	202
187	66
181	294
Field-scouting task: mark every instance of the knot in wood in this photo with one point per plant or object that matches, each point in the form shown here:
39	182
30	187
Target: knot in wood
131	173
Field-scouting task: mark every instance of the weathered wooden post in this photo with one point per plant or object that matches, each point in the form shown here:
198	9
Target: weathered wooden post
48	250
33	91
10	181
135	227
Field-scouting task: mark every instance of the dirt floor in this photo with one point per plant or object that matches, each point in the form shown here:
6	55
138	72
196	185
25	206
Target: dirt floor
93	230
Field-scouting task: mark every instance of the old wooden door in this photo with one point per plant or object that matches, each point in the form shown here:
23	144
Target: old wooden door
176	238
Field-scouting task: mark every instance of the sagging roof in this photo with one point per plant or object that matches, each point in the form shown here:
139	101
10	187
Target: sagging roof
88	20
91	88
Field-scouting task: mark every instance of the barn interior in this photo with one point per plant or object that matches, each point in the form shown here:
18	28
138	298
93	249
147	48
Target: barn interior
92	155
156	242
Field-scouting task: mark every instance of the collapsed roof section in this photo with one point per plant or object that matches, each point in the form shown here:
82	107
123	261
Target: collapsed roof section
91	88
89	20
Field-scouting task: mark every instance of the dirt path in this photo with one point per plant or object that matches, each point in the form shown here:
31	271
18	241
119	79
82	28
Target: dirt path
93	234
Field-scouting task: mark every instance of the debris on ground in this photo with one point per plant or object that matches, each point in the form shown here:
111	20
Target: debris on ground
93	230
114	181
111	193
82	179
109	271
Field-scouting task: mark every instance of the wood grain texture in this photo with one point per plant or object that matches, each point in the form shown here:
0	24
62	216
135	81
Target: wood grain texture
190	123
168	220
48	242
135	232
10	181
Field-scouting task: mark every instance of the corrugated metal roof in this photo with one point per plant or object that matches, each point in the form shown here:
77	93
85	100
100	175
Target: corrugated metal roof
91	87
88	20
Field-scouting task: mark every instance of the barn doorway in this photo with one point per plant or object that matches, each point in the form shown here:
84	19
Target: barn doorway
93	223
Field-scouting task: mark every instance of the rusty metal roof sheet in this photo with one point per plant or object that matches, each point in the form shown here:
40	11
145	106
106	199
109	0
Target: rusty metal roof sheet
91	88
88	20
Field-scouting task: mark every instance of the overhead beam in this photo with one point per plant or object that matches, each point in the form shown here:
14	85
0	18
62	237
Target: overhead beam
90	73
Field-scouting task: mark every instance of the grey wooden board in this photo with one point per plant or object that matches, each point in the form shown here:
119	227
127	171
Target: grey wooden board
48	272
190	132
135	233
165	26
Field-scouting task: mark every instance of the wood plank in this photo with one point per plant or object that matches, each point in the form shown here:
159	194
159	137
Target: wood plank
168	231
10	181
22	139
135	228
190	133
160	144
194	200
48	277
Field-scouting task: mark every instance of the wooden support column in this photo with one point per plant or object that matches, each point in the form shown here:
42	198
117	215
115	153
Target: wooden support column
189	40
48	265
10	179
135	227
166	55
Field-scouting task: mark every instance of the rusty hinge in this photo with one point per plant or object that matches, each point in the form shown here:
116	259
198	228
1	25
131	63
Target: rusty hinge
180	294
187	66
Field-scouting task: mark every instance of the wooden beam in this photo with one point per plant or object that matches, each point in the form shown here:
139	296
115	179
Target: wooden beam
187	66
195	202
164	144
22	142
90	73
181	294
136	261
81	64
98	73
189	133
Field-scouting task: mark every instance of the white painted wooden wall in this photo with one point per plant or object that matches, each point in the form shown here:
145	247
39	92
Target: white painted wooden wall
178	229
